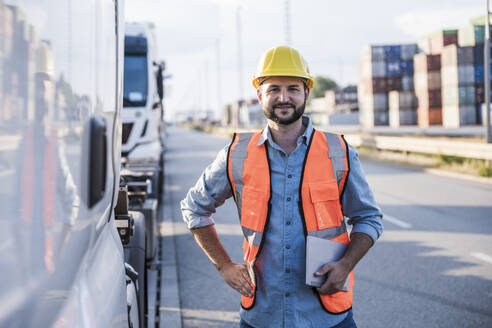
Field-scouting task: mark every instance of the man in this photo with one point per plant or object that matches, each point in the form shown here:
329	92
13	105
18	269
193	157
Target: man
288	181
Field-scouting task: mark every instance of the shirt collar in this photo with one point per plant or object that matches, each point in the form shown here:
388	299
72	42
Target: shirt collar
306	121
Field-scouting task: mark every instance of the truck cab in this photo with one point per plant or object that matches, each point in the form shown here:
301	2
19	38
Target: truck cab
62	258
143	112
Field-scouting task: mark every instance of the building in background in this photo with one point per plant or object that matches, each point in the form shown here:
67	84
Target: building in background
338	106
244	114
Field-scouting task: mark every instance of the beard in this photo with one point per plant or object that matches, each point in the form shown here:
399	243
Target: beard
296	114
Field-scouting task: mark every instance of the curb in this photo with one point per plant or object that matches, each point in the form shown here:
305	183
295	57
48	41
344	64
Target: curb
170	308
457	175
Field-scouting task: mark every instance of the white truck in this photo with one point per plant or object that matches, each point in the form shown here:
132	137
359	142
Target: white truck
142	141
62	259
143	112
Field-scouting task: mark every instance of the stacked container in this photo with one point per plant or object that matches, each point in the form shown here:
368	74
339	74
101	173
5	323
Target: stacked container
478	60
428	89
458	86
474	35
434	43
383	69
402	108
372	87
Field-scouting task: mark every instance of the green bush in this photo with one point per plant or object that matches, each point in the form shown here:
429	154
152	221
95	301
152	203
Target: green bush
451	159
485	171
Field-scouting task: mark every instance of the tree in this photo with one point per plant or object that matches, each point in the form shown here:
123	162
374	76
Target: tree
322	84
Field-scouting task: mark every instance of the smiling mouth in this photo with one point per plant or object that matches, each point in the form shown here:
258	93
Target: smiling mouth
283	107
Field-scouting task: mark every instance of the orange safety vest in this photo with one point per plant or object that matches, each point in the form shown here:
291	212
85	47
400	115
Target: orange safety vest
322	183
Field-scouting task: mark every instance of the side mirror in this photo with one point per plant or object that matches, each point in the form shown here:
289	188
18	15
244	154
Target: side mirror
160	83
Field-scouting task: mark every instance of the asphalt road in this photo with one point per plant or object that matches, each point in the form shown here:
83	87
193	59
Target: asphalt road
431	268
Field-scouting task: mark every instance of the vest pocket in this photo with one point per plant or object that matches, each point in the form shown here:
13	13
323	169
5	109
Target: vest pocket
325	199
254	208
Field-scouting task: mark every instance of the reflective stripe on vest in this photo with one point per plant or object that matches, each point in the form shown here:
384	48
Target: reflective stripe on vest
248	171
324	173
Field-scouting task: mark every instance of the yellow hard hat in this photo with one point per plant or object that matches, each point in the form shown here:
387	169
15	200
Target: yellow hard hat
282	61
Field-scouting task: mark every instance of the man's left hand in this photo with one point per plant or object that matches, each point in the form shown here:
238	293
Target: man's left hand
337	273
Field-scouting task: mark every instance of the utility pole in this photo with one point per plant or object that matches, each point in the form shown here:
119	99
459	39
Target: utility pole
206	85
486	50
239	53
219	96
288	38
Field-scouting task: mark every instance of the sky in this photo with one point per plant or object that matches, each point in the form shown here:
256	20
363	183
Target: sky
198	39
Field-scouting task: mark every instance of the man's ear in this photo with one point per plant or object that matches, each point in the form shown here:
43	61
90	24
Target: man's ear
259	94
307	92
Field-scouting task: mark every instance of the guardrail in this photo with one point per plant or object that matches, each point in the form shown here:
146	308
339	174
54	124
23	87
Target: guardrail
424	145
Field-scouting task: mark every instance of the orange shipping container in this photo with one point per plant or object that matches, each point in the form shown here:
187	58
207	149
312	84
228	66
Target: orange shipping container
429	116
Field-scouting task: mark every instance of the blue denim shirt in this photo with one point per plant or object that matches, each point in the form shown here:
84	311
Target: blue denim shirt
283	299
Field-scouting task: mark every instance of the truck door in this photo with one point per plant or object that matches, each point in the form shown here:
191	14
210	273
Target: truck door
60	85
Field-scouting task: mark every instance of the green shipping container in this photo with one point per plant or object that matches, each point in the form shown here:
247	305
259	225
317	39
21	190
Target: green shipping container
472	35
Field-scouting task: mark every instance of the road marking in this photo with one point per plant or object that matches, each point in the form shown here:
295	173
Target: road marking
482	256
197	314
397	222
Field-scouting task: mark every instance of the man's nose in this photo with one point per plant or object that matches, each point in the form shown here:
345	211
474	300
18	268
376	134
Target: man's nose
284	95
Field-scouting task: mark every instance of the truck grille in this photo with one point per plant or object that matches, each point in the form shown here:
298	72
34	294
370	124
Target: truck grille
127	129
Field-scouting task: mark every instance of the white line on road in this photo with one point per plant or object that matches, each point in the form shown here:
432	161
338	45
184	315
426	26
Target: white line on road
482	256
397	222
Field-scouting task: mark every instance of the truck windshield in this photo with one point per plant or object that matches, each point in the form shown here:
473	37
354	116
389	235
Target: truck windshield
135	82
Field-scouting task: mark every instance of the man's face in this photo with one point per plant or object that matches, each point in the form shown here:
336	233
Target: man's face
283	99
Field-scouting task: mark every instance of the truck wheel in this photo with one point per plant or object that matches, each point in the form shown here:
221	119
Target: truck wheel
135	256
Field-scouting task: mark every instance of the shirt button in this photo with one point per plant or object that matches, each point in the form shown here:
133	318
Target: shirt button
289	176
288	246
287	270
287	294
288	199
287	223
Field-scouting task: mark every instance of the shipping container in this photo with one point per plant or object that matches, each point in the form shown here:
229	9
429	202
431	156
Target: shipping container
427	81
406	67
407	83
457	116
393	83
479	74
453	55
374	53
370	69
474	33
478	55
423	62
370	118
398	118
458	96
441	39
393	68
402	100
374	85
408	51
429	98
374	102
429	116
392	52
479	92
457	75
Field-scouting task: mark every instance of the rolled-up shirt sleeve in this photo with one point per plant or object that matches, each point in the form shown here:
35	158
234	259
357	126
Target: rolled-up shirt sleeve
210	191
358	201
